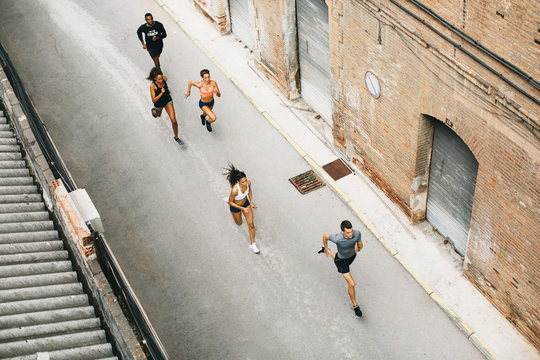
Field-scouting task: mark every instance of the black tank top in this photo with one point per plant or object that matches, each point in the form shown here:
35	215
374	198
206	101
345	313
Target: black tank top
165	98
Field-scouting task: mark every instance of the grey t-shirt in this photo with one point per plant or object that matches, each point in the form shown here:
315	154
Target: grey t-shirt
345	246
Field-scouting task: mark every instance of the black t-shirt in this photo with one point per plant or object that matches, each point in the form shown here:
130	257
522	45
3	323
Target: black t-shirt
156	29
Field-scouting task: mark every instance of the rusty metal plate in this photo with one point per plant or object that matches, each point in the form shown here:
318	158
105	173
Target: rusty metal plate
337	169
306	182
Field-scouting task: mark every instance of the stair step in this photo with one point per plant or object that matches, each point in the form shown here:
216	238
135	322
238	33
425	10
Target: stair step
18	189
20	198
58	328
22	207
12	164
15	181
8	141
26	227
80	353
14	172
33	236
20	282
40	292
51	343
5	127
7	134
34	269
46	316
24	217
10	156
33	257
53	303
10	148
31	247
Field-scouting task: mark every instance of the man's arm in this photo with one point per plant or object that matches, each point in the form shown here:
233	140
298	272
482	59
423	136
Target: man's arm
140	34
325	239
163	34
359	245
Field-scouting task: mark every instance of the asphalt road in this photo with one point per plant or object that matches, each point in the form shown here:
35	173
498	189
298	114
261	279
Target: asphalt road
206	294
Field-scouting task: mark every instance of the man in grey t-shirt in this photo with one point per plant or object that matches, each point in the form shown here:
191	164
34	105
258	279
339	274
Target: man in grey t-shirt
348	242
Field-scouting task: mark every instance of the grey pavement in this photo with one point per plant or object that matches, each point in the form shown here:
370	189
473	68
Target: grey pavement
206	294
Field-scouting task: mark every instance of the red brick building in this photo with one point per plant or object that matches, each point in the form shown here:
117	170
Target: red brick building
438	102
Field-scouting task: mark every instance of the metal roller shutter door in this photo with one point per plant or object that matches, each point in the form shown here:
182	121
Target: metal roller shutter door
314	55
240	21
452	181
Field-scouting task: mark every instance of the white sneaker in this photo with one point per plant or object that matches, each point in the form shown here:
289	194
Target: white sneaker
254	248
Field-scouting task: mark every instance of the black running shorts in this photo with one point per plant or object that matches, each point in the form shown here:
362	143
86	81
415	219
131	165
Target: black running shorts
343	264
155	49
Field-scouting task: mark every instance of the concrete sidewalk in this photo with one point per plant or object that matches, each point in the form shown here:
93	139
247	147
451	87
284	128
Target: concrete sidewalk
419	249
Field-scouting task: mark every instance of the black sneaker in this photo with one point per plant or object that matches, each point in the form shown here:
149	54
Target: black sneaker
357	311
179	141
321	251
209	126
203	119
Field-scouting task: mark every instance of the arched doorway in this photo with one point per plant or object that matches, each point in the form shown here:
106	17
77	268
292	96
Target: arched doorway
452	182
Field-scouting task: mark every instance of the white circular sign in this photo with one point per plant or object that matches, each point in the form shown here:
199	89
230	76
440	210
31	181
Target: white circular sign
372	84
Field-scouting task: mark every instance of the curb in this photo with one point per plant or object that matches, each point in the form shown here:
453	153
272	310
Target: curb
471	335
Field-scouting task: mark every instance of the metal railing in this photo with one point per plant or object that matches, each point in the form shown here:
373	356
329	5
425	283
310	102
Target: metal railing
122	289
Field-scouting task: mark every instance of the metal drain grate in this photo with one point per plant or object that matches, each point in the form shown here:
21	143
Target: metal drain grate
337	169
306	182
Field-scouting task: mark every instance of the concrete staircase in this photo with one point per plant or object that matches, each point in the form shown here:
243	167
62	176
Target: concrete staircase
44	312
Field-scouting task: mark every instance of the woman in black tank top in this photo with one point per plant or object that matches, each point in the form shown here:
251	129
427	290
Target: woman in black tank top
165	98
161	97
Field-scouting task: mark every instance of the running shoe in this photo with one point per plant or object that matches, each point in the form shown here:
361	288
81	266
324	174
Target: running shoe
254	248
209	126
357	311
153	113
179	141
203	119
321	251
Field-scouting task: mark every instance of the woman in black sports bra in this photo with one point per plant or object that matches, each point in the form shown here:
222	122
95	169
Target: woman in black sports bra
161	97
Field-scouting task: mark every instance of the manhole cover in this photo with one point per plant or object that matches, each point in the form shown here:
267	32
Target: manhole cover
306	182
337	169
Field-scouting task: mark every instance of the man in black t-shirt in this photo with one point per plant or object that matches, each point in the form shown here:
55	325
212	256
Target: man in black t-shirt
154	33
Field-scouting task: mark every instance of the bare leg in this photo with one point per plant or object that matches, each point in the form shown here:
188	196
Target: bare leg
170	110
156	61
350	283
208	111
237	217
251	225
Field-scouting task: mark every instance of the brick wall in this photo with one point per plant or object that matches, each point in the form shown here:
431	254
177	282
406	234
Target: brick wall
270	35
425	79
276	54
498	25
274	29
217	12
512	37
